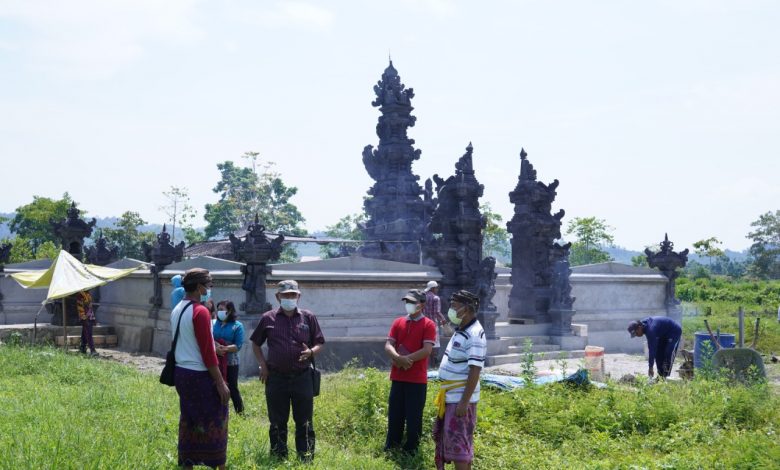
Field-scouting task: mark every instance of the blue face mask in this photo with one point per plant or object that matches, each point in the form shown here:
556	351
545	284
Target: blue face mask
206	297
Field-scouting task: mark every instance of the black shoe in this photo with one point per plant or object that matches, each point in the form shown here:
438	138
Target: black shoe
83	349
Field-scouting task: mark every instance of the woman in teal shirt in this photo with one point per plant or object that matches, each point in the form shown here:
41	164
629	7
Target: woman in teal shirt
231	331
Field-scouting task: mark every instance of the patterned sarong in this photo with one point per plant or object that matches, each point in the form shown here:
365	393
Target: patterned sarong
203	424
454	436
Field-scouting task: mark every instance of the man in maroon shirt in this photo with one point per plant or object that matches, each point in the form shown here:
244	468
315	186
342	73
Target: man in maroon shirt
408	345
294	337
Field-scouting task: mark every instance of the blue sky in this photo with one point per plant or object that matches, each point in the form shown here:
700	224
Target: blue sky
656	116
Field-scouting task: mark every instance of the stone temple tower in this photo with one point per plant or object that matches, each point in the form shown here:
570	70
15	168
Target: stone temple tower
395	207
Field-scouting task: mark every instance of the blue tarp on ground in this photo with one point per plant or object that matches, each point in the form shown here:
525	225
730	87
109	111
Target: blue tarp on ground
509	382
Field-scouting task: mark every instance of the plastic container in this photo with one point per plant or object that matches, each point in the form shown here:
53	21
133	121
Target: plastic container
594	362
703	349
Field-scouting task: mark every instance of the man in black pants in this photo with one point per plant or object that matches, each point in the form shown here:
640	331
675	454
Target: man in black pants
293	337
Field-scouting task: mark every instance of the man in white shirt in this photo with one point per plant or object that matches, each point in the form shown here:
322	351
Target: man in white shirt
460	368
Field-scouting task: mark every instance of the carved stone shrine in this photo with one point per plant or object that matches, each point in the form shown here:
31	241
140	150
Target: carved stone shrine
561	302
72	231
161	254
534	229
454	238
256	250
668	262
396	212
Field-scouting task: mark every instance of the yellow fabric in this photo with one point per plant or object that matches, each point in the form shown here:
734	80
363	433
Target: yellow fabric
67	275
441	398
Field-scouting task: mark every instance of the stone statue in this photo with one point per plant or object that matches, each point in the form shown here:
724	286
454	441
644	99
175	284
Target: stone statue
561	302
72	232
534	229
396	212
161	254
100	254
256	250
486	290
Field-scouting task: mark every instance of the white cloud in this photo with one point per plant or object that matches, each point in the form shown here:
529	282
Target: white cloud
93	39
285	14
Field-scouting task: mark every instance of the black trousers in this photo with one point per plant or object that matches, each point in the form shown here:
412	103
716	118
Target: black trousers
86	336
235	395
282	392
405	407
664	356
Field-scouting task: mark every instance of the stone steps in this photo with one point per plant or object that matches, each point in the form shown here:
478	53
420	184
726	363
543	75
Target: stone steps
516	358
104	336
103	341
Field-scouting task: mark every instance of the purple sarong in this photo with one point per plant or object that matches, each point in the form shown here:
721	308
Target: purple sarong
454	436
203	423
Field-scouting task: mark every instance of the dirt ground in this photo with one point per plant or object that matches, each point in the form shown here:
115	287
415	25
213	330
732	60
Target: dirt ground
615	365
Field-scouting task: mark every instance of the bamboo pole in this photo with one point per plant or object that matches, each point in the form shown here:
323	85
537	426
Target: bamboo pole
64	327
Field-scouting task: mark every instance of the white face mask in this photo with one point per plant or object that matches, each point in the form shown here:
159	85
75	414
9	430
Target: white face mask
221	315
452	314
411	308
289	304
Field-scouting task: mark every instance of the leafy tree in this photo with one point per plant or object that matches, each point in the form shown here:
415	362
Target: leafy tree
246	192
31	221
495	237
765	250
639	260
708	248
193	235
126	235
178	209
47	250
591	234
21	250
347	228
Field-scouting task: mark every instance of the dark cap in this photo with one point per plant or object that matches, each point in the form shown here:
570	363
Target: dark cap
467	298
632	327
414	295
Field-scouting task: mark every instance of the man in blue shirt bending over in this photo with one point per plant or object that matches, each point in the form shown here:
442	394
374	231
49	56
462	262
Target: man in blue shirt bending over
663	335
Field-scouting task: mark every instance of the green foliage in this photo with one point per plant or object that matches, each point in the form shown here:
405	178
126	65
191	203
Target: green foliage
527	362
495	237
193	235
347	228
639	260
591	234
21	250
179	211
245	193
66	411
127	237
32	221
765	251
708	248
47	250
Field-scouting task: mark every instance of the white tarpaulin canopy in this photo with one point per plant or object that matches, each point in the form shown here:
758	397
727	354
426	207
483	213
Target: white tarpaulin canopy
67	275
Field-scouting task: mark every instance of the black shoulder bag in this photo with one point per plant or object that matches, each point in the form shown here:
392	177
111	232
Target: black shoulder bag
166	376
316	376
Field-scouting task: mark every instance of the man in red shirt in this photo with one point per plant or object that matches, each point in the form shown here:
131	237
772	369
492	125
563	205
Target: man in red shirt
408	345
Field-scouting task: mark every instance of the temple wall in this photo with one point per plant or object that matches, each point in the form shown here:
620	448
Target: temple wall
355	310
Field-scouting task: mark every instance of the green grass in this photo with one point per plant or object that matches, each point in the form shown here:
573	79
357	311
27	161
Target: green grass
63	411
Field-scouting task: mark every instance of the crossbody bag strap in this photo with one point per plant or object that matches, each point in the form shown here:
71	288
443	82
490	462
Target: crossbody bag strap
311	338
176	335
